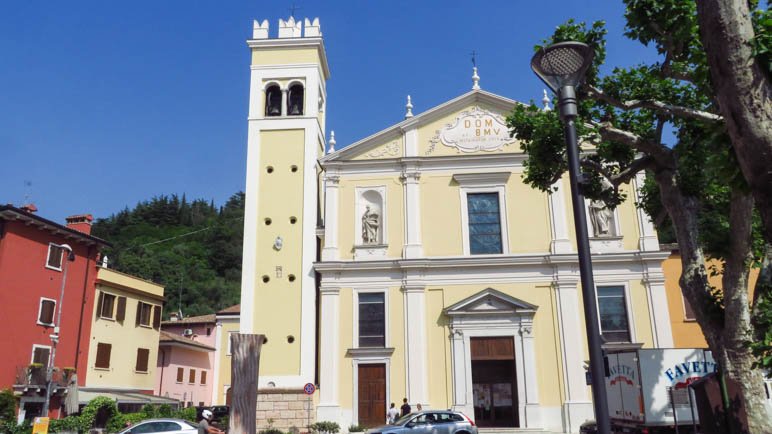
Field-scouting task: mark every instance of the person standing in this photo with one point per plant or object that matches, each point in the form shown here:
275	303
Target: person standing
392	414
405	407
419	408
203	426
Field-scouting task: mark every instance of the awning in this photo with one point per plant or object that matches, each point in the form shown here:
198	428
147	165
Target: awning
123	397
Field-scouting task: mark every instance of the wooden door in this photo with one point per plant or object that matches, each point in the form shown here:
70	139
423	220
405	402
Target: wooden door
372	394
494	382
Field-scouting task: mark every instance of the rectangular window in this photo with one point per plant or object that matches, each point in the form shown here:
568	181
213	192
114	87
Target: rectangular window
108	301
192	378
46	311
688	312
203	377
484	223
612	310
120	312
372	326
54	259
142	356
40	355
103	356
144	313
180	374
229	342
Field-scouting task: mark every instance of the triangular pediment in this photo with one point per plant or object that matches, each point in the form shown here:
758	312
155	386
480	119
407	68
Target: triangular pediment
490	302
388	143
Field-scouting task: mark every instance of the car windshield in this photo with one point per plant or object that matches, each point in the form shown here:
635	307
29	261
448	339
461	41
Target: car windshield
402	420
185	422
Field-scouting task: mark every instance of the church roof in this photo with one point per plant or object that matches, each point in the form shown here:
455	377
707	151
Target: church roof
437	112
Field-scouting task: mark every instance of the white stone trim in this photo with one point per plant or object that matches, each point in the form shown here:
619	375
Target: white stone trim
520	328
661	328
355	326
483	183
648	235
216	368
331	206
444	165
561	242
412	197
411	141
48	257
32	355
329	340
416	372
40	309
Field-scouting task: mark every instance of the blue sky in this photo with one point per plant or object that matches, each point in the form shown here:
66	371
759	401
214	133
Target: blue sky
104	104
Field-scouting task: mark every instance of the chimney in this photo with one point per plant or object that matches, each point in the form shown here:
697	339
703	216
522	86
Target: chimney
80	222
30	208
174	317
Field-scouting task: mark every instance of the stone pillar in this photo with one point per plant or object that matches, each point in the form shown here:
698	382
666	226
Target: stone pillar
330	250
415	344
284	102
577	407
413	247
559	220
648	237
660	313
462	398
329	405
532	406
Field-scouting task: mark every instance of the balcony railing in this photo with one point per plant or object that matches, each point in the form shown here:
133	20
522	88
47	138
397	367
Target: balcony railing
36	376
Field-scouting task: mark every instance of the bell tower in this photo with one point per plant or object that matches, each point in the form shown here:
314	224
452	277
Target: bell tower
287	100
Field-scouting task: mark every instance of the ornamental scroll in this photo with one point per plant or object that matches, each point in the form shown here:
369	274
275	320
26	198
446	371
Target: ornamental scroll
475	130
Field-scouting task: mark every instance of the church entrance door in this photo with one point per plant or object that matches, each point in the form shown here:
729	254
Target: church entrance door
494	382
372	394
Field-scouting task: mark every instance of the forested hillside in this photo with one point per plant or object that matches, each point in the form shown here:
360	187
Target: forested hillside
192	248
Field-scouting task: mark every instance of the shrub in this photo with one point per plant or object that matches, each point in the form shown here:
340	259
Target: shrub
271	431
7	405
356	428
10	427
165	410
324	427
188	414
149	410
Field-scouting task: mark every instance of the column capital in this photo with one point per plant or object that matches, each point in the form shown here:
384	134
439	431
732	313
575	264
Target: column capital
410	176
413	287
329	290
332	180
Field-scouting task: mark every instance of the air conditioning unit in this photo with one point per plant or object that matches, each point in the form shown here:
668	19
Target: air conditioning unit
187	332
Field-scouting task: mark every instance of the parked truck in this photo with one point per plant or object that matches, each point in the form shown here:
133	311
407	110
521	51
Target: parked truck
648	389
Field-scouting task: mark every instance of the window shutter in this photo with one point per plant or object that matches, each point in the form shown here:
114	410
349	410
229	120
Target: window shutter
99	304
156	317
121	313
203	377
41	356
103	355
46	311
192	378
142	356
180	372
139	313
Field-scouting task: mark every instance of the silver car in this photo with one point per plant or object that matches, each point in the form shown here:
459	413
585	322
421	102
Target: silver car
166	426
429	422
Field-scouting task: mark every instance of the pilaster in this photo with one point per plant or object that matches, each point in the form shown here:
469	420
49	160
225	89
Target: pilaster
558	220
330	250
577	407
328	358
413	247
660	313
415	344
648	236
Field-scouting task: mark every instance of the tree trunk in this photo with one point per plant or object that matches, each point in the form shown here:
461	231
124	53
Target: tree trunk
725	330
245	364
744	93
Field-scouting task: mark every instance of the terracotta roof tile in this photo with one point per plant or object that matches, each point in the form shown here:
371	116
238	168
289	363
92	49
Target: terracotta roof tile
201	319
171	337
233	309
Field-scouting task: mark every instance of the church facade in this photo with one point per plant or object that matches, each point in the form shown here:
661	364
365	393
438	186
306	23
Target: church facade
416	263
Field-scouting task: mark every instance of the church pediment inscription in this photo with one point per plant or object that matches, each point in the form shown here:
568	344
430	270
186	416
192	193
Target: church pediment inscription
474	130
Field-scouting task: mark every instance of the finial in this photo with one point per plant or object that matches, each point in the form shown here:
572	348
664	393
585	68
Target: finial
409	108
475	79
331	142
546	101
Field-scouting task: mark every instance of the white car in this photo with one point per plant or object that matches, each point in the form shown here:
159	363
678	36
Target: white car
166	426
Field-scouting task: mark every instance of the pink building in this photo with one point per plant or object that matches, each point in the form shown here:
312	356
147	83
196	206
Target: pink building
186	353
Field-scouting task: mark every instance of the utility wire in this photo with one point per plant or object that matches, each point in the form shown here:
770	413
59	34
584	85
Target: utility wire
178	236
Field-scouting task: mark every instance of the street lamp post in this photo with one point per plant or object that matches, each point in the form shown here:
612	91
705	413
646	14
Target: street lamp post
562	67
55	337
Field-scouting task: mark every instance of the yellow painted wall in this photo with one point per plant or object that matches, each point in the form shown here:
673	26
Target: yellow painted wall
641	314
428	131
687	333
229	325
529	218
392	148
395	221
279	198
124	336
284	56
440	215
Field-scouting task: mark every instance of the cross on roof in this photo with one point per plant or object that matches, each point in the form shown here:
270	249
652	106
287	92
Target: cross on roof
293	9
474	57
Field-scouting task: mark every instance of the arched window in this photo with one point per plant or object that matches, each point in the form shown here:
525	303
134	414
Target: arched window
273	100
295	100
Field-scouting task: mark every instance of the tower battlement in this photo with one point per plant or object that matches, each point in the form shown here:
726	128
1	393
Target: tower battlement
288	28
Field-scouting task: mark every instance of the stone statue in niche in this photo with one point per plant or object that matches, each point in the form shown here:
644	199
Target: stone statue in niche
600	217
370	226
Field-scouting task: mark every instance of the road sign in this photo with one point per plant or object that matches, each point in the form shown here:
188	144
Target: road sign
309	388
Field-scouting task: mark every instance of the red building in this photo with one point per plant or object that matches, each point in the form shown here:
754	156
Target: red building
31	272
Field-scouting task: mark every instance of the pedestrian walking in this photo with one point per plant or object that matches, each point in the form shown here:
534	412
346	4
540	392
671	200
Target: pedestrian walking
392	414
405	407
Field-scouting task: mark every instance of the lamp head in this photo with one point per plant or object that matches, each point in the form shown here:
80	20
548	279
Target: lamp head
562	64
